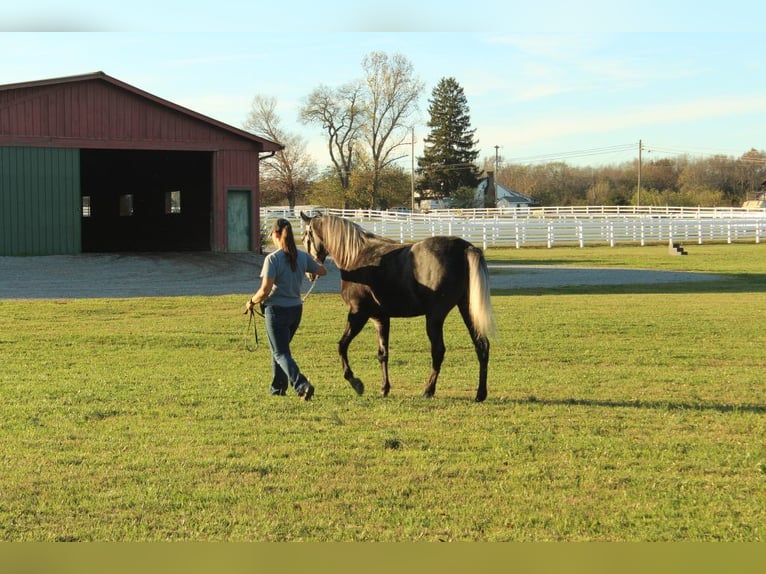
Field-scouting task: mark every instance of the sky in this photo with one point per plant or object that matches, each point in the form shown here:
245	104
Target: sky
580	82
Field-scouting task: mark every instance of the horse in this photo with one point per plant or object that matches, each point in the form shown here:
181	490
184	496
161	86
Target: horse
381	279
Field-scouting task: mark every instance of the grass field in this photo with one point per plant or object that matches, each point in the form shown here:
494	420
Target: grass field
614	413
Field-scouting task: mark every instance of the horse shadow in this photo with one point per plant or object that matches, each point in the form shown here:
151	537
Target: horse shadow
643	405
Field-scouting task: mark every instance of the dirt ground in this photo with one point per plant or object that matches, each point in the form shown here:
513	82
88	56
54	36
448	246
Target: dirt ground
179	274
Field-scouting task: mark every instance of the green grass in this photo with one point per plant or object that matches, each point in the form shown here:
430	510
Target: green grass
630	414
730	259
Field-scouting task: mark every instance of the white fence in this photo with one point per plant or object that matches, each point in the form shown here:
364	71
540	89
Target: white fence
551	226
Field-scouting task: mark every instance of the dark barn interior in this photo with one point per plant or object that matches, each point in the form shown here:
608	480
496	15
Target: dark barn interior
145	200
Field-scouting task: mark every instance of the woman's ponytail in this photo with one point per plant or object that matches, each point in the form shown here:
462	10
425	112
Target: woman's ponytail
286	231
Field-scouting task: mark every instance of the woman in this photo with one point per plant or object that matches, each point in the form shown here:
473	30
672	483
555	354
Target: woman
280	293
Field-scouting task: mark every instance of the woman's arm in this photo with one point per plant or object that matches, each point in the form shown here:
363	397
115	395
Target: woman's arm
263	292
319	270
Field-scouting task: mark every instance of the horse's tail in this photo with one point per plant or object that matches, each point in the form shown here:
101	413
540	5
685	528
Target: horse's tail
479	302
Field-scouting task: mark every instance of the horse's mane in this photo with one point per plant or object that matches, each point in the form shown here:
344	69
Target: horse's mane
345	239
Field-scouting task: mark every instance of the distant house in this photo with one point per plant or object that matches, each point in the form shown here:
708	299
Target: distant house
503	197
760	200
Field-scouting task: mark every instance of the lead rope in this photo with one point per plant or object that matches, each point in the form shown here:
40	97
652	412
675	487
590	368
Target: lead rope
255	330
313	284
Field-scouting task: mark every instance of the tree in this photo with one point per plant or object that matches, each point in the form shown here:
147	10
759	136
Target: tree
288	174
449	154
709	182
750	174
326	190
392	93
339	112
393	187
374	111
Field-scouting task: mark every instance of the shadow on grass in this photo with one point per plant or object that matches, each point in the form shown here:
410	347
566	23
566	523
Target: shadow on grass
652	405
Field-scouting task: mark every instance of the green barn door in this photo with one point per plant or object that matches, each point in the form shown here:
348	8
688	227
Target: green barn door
40	205
238	218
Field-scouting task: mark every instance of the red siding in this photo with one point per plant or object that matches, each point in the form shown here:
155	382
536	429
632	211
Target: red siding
96	113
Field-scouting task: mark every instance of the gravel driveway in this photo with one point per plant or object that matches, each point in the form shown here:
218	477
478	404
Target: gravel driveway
178	274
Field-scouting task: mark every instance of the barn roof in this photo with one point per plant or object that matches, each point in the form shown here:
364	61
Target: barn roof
267	145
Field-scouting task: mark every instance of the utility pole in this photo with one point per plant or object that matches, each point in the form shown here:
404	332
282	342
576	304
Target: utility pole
497	173
412	170
638	194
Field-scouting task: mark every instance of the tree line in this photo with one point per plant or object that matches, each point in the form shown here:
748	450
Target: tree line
368	126
716	181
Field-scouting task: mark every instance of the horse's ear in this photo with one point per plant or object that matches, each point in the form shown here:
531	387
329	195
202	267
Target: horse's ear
305	217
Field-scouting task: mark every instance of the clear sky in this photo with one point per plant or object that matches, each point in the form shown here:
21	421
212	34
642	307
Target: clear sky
581	82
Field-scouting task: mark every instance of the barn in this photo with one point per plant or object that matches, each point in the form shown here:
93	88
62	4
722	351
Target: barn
89	163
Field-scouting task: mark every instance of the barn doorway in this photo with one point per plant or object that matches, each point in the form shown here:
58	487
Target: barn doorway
145	200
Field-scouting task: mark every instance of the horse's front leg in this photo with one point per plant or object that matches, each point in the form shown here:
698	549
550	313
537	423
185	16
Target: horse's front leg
382	328
434	328
353	327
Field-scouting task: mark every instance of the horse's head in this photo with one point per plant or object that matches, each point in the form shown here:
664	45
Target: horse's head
312	240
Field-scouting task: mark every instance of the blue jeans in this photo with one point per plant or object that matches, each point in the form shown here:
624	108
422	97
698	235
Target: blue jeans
281	325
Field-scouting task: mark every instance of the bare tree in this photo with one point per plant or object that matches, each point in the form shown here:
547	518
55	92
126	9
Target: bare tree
392	93
375	111
291	170
339	112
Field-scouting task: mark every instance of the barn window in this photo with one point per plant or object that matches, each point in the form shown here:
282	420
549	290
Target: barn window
86	205
126	204
172	202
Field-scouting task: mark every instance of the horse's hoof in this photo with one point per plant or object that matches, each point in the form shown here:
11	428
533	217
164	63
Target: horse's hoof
358	386
480	399
428	395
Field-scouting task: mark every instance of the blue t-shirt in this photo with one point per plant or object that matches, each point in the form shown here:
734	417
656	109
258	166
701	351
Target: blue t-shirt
287	283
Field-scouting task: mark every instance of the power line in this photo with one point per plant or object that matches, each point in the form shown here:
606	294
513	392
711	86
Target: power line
590	152
560	156
447	167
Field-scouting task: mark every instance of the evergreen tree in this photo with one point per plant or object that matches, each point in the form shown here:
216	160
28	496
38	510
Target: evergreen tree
448	161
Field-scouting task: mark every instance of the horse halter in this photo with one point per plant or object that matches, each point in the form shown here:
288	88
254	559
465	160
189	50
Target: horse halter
309	243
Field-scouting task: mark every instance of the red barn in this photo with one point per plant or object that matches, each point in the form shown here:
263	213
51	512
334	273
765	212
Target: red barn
91	164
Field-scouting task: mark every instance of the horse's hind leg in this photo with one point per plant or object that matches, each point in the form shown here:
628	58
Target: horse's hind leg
353	327
382	328
435	330
481	344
